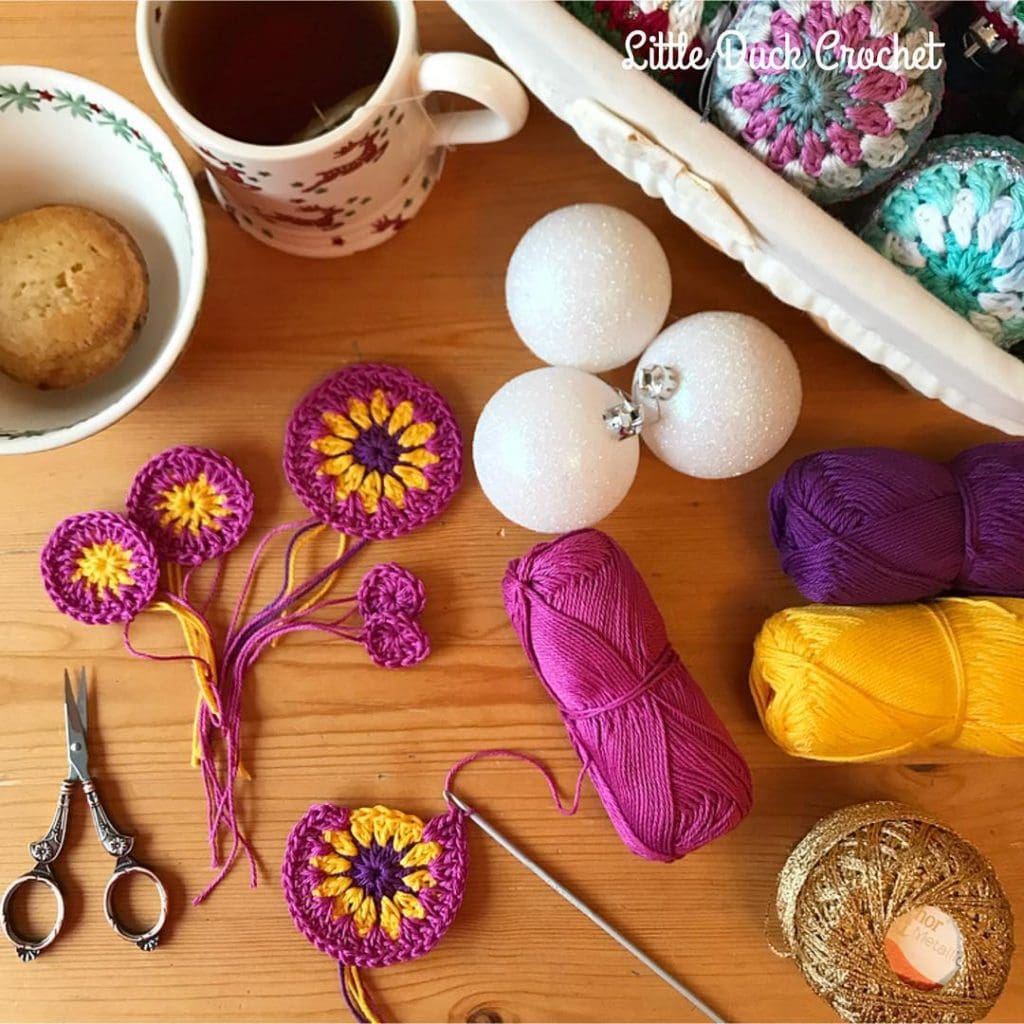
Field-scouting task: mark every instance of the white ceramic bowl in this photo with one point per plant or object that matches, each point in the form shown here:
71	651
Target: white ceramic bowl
65	139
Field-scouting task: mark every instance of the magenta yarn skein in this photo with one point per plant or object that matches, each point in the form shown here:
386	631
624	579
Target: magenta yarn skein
662	762
880	526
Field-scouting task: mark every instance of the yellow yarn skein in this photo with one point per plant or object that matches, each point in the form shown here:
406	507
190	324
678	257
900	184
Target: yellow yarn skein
838	683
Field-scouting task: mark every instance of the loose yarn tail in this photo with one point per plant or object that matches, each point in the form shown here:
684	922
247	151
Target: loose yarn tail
356	996
500	752
245	641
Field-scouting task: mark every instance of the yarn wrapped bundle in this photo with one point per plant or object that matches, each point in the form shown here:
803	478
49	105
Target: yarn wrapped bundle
845	683
856	873
663	764
880	526
955	222
815	91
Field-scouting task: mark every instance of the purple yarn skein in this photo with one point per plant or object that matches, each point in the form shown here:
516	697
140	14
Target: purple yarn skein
880	526
661	760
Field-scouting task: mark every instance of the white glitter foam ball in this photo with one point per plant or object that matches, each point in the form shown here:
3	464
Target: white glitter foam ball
588	286
543	455
738	398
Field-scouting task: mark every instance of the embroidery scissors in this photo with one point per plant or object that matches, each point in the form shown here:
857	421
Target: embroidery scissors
46	850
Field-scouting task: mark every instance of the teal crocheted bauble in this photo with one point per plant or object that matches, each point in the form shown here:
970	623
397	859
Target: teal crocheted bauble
955	221
818	91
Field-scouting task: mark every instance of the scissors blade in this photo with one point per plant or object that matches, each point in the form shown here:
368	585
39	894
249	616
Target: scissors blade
83	699
78	753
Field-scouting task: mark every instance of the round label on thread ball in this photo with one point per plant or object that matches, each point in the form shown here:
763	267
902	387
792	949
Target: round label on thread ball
924	947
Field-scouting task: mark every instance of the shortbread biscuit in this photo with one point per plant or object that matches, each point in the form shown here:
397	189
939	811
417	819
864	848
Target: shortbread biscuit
74	293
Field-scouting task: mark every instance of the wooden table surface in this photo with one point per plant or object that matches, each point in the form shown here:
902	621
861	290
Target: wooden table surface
322	724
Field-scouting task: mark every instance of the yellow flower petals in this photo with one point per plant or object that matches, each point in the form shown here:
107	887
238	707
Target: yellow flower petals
401	417
419	457
394	492
359	414
342	842
335	885
370	491
331	445
365	917
336	466
416	435
340	426
362	829
420	879
106	566
351	481
412	477
421	855
379	408
330	864
390	918
348	902
409	905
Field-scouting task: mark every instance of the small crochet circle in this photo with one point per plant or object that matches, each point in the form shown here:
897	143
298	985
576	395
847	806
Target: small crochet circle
390	589
818	92
394	640
193	503
373	451
99	567
374	886
955	221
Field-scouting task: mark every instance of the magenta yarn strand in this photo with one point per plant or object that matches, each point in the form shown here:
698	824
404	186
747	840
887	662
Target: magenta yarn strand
517	755
661	760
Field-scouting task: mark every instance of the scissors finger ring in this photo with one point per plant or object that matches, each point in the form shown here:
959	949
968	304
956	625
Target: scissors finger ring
26	948
145	940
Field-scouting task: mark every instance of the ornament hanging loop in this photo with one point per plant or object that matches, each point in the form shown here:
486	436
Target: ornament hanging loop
625	419
657	383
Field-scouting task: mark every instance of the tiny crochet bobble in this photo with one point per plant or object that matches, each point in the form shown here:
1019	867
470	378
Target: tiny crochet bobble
843	683
99	567
373	451
389	589
662	762
955	222
793	86
374	886
194	504
879	526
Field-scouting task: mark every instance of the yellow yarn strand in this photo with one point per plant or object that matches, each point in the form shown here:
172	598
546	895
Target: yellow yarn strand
204	662
864	683
356	992
291	573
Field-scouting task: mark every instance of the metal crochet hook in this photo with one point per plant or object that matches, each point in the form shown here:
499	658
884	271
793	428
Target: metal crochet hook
575	901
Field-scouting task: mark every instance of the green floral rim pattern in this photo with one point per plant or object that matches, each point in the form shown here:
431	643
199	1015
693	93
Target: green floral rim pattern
28	98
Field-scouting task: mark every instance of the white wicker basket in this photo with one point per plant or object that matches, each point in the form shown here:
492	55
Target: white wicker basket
804	256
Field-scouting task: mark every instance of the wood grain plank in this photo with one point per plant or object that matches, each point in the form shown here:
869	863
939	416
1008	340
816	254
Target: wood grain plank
322	724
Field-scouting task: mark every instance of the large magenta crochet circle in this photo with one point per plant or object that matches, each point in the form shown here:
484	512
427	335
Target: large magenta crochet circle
373	451
372	886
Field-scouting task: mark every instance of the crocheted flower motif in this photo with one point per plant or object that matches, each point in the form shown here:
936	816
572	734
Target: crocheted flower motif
193	503
813	90
374	886
955	221
373	451
394	640
389	589
98	567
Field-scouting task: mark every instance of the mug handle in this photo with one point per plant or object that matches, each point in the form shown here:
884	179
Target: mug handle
496	90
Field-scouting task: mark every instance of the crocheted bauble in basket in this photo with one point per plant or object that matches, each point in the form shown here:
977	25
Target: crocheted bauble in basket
955	222
819	92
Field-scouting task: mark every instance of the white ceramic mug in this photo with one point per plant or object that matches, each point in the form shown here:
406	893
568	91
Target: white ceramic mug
356	185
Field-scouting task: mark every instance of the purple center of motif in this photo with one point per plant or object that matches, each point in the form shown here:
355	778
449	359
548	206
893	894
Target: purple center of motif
376	449
378	871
